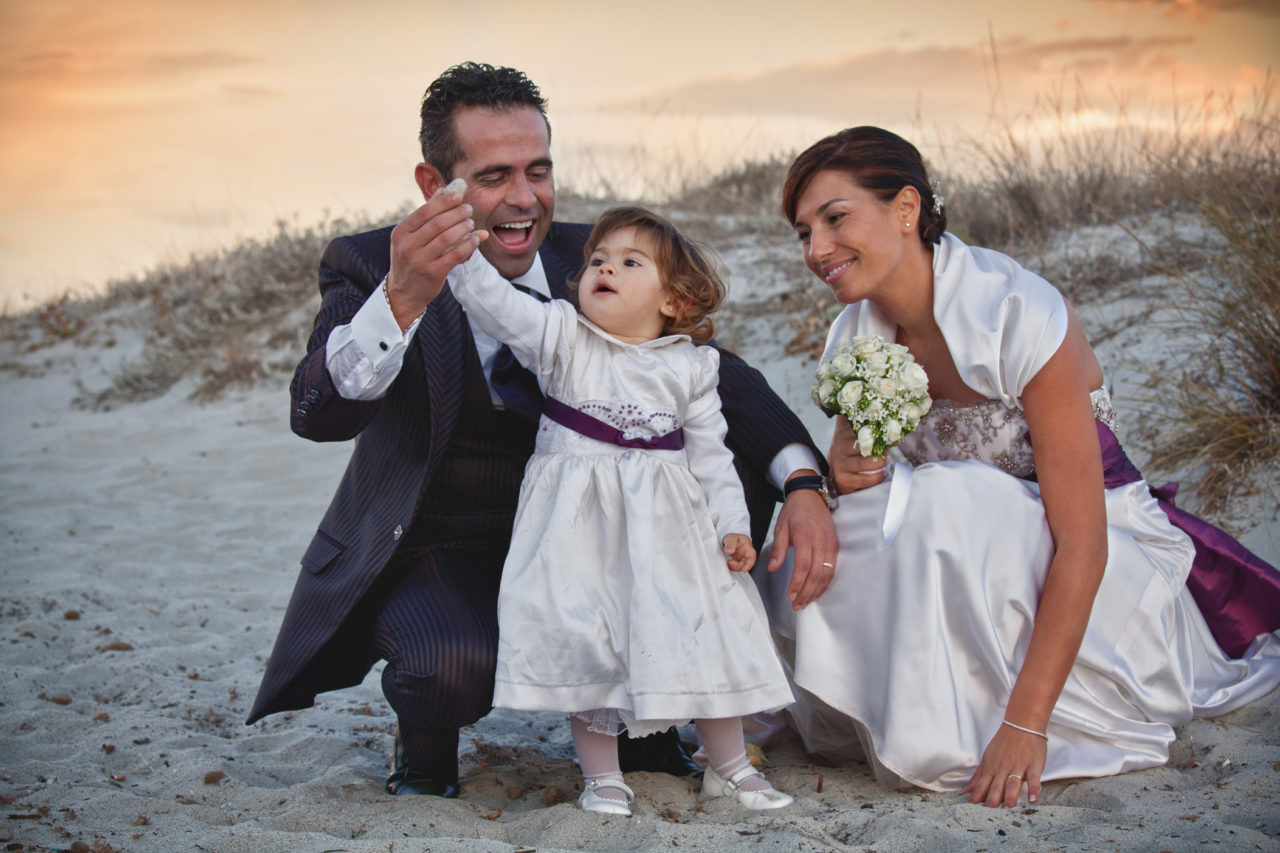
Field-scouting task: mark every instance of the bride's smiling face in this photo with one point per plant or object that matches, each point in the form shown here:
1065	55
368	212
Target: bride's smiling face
851	239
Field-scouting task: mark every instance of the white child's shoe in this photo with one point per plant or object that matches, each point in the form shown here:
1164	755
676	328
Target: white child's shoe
590	801
765	798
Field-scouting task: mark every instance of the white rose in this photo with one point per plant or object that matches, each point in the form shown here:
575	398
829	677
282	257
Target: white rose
824	369
866	441
864	345
892	431
874	410
849	396
913	378
887	386
827	390
843	365
877	362
925	405
911	414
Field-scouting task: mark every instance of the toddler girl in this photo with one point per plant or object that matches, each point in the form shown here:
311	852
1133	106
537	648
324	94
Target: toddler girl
615	602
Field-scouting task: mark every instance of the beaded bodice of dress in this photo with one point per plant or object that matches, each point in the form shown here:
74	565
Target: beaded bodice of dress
989	431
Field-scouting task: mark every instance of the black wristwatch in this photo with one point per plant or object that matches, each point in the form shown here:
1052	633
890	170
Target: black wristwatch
818	484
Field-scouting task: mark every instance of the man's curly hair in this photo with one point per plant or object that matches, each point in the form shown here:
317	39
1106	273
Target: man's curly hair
470	84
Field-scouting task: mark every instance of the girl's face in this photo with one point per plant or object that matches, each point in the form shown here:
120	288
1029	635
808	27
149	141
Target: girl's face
851	240
622	290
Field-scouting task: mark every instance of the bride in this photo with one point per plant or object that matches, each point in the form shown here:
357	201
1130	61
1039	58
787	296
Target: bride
1012	606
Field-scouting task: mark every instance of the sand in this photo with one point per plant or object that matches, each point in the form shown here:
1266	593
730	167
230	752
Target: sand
149	552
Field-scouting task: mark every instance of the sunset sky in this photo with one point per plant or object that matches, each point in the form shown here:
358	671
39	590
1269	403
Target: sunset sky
137	131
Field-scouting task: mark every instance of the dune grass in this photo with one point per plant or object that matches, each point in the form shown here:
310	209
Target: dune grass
1220	418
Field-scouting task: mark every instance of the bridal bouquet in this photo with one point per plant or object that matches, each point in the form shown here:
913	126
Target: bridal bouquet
876	385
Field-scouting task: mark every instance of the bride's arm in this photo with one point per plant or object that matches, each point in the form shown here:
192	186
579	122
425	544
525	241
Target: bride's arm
1069	469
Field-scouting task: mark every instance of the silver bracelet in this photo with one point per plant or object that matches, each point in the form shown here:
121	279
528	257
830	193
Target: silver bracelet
386	294
1024	729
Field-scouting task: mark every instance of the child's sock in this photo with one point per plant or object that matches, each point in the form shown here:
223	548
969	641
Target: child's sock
722	739
598	757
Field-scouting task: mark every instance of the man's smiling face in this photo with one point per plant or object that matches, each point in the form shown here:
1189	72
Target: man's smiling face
506	163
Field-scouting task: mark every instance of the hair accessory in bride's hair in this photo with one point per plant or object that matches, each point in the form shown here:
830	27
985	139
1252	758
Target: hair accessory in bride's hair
937	197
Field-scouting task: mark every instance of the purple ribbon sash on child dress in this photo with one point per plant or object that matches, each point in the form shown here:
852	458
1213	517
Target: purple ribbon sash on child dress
584	424
1237	592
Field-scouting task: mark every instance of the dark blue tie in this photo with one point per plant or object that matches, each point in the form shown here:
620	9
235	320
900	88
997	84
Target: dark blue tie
516	385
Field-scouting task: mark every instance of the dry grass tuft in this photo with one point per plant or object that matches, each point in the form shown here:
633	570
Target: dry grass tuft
223	319
1061	167
1222	417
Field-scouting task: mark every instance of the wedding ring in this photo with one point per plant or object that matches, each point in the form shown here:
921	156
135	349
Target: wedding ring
1013	776
828	565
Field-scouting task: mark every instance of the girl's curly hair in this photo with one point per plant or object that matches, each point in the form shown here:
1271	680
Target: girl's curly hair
686	269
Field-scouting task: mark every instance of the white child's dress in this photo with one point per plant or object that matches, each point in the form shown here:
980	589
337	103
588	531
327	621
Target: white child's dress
615	593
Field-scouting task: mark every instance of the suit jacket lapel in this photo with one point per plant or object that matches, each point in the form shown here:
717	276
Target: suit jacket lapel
557	268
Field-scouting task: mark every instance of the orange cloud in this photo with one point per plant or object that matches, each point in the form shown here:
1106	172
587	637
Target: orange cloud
1203	10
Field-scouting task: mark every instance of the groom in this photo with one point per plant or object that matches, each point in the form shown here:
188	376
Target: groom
405	564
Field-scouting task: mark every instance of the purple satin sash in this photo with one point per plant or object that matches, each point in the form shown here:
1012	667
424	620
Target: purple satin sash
1237	592
584	424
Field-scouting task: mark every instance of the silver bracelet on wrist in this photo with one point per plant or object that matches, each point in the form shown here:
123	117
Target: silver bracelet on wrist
1024	729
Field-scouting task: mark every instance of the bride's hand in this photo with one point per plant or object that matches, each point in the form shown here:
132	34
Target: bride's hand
1012	759
850	470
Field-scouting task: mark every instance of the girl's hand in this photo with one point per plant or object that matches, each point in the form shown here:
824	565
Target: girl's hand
1010	760
850	470
740	551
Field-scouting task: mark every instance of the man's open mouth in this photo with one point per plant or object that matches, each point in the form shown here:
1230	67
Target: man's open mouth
514	235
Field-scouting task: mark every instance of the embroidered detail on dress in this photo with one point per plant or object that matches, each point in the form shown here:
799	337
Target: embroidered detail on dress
987	430
1104	411
632	420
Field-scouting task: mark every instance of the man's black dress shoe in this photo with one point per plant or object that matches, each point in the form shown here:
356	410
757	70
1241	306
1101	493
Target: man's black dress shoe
409	780
660	753
405	780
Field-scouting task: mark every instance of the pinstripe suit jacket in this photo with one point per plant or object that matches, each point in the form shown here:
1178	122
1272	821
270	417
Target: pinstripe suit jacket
400	441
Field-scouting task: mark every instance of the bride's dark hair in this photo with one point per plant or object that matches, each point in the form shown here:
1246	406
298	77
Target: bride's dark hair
878	161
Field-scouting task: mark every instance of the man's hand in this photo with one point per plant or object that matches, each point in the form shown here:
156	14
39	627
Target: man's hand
740	552
850	470
805	524
425	246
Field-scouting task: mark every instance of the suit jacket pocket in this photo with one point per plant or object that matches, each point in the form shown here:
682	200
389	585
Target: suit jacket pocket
321	552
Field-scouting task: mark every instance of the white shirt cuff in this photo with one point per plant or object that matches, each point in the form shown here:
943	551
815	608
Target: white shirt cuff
364	356
790	459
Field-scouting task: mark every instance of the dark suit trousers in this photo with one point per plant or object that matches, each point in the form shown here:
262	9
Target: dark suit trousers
436	625
433	611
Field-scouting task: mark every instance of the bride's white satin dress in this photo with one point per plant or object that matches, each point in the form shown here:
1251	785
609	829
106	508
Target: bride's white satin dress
909	657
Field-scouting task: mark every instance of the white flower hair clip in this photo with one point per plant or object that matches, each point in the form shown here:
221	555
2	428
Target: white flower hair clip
937	197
